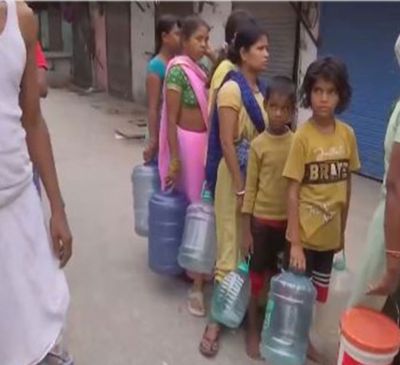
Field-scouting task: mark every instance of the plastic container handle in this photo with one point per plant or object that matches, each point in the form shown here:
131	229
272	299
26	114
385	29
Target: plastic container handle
244	265
340	264
169	190
152	162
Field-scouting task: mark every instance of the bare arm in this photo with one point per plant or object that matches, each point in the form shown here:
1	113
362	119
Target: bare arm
388	284
42	79
37	135
173	110
153	85
38	139
293	230
252	179
228	119
248	247
345	211
297	258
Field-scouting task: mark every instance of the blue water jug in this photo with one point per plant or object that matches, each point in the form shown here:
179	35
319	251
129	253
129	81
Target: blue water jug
145	182
288	319
231	297
199	244
167	211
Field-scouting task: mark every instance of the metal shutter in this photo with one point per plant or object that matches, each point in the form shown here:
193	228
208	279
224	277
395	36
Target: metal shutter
363	35
280	21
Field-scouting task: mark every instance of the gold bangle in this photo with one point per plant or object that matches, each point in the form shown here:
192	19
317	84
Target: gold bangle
174	166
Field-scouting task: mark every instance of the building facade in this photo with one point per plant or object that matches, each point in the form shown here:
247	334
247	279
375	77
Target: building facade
362	35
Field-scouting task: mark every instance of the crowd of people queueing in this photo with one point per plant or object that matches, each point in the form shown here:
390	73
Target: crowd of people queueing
279	195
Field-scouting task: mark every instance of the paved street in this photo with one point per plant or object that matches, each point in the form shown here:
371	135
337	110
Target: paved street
121	313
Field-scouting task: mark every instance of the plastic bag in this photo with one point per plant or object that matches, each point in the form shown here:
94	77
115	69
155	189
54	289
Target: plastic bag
373	264
325	330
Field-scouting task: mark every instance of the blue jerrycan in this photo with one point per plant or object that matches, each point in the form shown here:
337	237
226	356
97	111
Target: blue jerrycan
145	182
167	211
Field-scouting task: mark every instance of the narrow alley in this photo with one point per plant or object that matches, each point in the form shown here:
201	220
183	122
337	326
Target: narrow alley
122	313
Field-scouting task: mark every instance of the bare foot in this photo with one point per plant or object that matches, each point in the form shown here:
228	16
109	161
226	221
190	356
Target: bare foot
253	340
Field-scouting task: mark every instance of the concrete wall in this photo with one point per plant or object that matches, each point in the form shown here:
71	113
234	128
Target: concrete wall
100	62
142	38
308	53
216	15
142	45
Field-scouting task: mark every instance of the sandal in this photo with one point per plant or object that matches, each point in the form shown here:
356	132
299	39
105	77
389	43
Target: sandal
195	304
209	347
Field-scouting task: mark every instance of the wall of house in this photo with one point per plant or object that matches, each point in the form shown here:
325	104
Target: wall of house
216	15
142	45
142	37
100	61
308	53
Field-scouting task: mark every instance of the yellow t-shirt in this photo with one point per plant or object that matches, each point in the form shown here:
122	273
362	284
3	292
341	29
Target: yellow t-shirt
322	163
230	96
266	188
219	74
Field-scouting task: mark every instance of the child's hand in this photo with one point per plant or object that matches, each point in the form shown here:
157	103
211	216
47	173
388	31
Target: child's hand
248	243
297	257
239	203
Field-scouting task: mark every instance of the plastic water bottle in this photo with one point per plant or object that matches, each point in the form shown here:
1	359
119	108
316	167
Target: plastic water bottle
288	319
166	223
145	182
231	297
199	244
326	331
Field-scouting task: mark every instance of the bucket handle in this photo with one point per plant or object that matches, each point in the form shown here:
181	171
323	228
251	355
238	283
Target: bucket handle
341	264
169	190
152	162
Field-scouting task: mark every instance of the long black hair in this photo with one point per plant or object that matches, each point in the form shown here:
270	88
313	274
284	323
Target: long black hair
236	20
246	37
165	24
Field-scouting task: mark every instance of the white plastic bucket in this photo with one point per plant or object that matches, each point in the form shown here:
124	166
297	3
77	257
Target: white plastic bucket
351	355
367	338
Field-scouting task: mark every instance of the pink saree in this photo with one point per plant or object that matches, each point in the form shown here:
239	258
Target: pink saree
192	145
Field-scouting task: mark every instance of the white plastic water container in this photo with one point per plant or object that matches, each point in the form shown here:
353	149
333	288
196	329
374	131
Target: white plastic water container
199	244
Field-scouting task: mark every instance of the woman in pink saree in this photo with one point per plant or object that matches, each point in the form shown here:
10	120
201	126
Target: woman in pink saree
183	128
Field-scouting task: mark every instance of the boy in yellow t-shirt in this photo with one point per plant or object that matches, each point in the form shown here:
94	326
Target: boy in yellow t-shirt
264	204
322	158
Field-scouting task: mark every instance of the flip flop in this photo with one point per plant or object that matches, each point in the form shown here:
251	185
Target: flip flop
209	347
196	296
